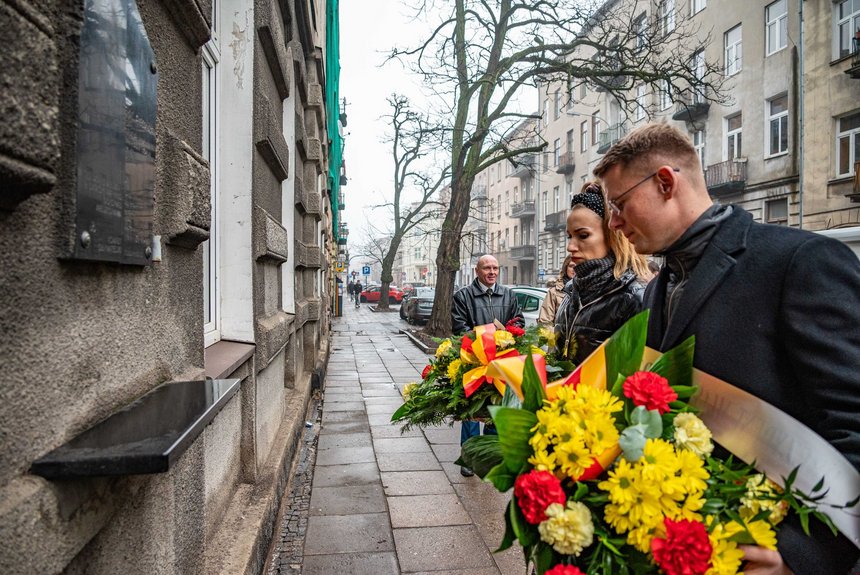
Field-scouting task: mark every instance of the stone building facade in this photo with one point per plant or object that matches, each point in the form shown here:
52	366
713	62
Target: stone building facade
206	257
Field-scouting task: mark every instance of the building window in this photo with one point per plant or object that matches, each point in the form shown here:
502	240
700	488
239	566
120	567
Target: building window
734	127
778	125
583	136
776	26
640	102
543	204
583	90
848	144
666	15
847	21
556	109
734	51
507	203
665	95
499	207
641	27
556	199
211	259
776	211
568	196
570	148
697	6
556	151
699	145
595	128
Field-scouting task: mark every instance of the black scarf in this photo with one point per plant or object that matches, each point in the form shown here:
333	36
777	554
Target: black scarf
593	278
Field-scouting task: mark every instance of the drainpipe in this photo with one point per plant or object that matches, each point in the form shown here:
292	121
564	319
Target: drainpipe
800	135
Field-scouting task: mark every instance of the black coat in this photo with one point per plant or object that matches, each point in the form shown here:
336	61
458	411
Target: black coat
776	312
584	321
473	307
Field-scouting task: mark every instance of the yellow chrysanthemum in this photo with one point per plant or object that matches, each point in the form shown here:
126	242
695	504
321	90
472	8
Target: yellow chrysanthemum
542	460
763	534
408	389
692	471
620	484
547	335
692	433
503	339
443	348
538	350
760	491
725	556
641	537
573	457
453	369
569	530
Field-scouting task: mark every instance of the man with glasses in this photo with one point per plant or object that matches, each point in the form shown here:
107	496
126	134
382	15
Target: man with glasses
775	310
479	303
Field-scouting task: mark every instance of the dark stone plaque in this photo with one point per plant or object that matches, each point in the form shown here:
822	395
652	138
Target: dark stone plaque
147	436
117	85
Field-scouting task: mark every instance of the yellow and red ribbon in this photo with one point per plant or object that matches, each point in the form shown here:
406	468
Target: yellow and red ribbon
481	352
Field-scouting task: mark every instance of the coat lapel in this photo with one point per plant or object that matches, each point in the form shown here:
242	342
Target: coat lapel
717	261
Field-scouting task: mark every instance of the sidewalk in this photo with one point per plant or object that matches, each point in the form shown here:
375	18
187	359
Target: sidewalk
385	502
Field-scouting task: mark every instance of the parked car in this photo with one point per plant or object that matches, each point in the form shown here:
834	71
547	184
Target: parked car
530	299
417	307
371	294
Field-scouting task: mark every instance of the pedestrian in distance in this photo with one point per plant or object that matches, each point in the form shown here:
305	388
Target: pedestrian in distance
479	303
774	310
608	283
555	294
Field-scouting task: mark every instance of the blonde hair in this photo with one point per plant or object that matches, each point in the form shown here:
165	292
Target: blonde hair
626	256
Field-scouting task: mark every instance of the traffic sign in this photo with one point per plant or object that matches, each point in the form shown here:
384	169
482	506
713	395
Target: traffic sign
365	270
338	267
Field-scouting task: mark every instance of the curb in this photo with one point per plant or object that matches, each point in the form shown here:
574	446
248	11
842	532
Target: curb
418	343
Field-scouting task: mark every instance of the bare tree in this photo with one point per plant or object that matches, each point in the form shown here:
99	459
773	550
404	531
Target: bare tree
483	53
413	139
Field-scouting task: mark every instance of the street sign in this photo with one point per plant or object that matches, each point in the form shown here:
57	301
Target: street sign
354	274
365	271
338	267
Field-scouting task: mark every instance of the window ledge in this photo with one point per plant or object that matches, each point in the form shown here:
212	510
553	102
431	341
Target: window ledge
842	59
224	357
779	155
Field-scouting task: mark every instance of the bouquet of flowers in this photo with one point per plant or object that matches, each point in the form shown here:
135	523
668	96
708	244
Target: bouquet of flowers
456	385
613	471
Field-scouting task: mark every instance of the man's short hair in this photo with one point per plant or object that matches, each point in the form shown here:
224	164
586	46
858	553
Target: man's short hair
641	145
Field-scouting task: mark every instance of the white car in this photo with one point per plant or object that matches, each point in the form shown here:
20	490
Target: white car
530	298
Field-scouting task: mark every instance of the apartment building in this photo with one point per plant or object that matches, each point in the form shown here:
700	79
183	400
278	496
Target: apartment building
784	146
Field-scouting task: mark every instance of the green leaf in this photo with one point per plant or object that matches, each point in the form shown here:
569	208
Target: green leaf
625	348
510	398
514	427
676	365
401	411
533	392
632	442
543	557
509	536
501	478
481	453
526	533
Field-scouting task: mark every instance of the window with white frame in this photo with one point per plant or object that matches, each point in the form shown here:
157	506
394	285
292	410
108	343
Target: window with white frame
697	6
543	204
733	51
776	26
211	261
734	141
640	102
777	109
697	63
666	16
595	128
583	136
556	151
665	95
776	211
507	202
641	27
699	145
846	16
847	144
499	207
556	105
569	141
568	195
556	191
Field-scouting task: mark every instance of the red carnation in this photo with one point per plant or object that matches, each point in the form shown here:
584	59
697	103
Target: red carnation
564	570
427	369
686	549
535	491
651	390
514	329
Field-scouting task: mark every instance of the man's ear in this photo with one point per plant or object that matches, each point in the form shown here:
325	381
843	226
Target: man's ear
666	179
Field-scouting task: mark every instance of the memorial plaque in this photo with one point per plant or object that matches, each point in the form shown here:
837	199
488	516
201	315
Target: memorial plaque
117	85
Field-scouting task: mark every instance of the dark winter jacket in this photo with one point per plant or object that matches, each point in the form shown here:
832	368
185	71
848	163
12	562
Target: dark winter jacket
473	307
596	305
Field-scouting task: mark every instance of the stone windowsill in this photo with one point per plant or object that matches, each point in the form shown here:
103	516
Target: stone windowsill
222	358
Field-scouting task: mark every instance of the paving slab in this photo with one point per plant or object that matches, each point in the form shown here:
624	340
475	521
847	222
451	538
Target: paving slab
394	430
348	474
345	427
353	415
352	563
332	534
443	434
407	461
415	483
446	451
438	548
332	440
348	500
400	445
427	511
341	455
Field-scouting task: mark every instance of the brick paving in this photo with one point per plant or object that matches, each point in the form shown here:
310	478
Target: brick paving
367	498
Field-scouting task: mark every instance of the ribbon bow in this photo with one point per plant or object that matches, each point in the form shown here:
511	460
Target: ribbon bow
482	351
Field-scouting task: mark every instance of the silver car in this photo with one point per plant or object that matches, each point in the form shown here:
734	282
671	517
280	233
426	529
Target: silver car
530	298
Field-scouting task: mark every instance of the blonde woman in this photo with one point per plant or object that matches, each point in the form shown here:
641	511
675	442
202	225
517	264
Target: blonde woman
555	294
609	279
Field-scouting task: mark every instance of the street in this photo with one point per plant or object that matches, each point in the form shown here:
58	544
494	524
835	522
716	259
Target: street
366	498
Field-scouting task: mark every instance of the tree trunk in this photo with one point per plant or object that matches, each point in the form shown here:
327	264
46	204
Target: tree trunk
448	256
386	277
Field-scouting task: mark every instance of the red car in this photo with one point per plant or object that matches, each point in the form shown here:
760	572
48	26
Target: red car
371	294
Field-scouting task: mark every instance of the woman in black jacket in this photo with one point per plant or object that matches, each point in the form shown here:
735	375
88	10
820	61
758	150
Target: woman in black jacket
609	283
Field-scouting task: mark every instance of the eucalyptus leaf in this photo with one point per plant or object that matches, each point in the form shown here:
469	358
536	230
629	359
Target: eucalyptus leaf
632	442
649	420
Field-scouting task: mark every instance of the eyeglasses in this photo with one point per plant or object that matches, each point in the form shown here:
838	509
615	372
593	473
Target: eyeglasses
613	203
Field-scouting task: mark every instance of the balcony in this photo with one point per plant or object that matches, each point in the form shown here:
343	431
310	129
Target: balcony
854	196
523	252
525	167
854	70
565	164
610	136
479	192
556	222
523	209
692	105
726	178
